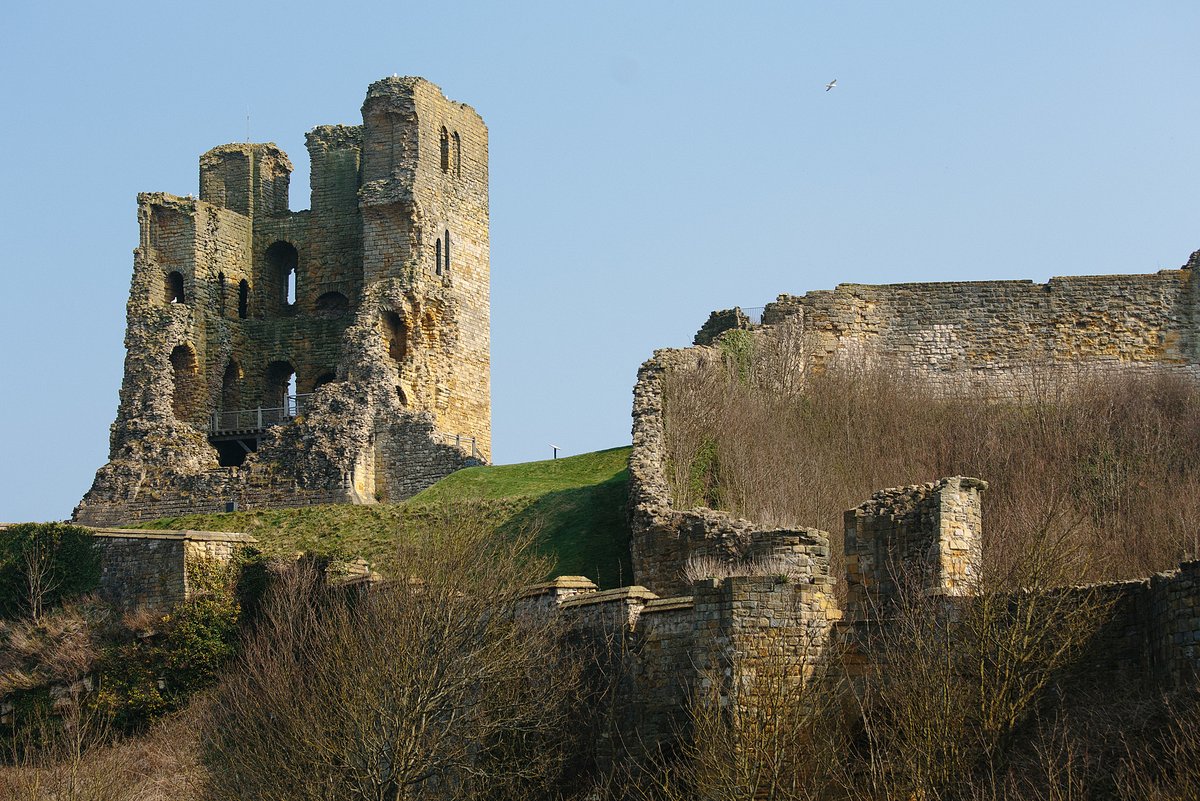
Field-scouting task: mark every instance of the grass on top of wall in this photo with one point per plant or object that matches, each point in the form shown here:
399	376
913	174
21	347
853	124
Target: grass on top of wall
577	505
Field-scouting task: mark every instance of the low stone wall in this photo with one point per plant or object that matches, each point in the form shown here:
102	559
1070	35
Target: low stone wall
150	569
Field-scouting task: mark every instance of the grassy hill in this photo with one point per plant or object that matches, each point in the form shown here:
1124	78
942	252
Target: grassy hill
576	504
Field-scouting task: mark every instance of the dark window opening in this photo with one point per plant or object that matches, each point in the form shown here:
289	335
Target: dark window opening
395	336
232	452
231	387
187	381
243	299
282	261
281	383
333	304
221	294
447	262
437	256
323	379
457	155
445	149
403	398
175	288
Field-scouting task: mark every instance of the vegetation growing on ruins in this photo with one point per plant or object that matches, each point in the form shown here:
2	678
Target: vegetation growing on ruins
577	503
1105	468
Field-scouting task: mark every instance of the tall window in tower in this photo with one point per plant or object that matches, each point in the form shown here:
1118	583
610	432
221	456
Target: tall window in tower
444	141
437	256
186	391
457	155
447	261
282	261
243	299
175	287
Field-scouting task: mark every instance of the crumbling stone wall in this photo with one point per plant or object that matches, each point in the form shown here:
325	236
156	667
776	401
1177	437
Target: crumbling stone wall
999	331
388	328
928	533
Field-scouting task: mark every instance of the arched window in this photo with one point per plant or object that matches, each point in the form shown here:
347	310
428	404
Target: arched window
175	288
282	260
221	294
437	255
281	384
447	261
457	155
444	144
243	299
332	304
187	382
395	336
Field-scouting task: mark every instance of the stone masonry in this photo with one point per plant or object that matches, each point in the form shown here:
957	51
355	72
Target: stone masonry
720	630
334	355
152	569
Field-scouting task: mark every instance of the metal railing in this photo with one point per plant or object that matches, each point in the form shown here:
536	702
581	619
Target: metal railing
239	420
460	441
754	313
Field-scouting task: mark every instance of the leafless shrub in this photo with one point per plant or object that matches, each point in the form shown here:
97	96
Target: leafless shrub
1105	463
423	688
74	756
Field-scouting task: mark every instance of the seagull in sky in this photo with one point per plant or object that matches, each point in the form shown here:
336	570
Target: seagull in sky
831	84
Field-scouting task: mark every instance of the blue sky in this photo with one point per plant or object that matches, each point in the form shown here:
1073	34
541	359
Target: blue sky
650	162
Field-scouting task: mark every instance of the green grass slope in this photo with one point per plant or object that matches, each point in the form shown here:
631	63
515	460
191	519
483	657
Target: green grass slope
576	505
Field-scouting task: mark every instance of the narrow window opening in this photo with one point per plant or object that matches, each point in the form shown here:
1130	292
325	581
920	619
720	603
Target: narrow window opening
175	288
445	149
221	294
395	336
243	300
438	255
187	381
282	261
231	387
447	262
457	156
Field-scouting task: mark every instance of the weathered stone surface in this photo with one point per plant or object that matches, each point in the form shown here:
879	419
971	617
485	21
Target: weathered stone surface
389	328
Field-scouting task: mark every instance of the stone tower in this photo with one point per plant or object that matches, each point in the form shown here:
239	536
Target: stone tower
334	355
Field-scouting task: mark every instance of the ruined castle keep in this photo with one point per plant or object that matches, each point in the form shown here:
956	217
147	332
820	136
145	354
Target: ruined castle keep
334	355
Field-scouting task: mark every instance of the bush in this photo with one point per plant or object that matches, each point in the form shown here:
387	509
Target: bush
41	564
148	674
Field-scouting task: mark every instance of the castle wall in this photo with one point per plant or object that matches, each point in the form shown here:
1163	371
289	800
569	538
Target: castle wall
962	332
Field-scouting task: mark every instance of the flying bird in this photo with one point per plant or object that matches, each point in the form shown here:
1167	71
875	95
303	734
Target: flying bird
831	84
